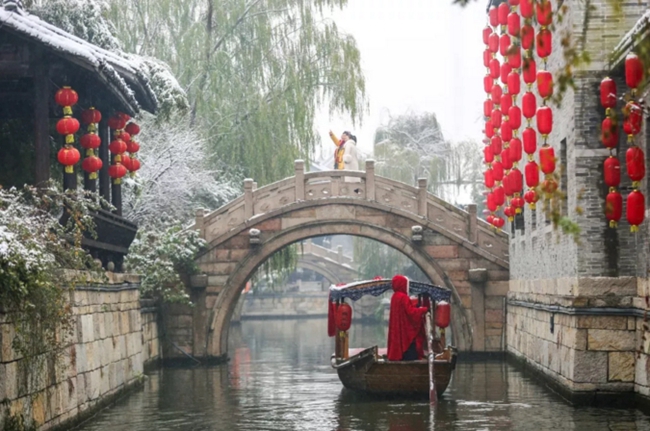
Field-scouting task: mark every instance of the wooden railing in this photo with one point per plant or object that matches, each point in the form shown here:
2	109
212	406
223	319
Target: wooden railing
465	225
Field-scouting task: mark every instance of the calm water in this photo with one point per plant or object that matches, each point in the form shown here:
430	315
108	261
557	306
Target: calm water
279	378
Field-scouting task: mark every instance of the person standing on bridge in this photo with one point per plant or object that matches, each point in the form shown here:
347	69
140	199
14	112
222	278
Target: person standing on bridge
404	322
345	155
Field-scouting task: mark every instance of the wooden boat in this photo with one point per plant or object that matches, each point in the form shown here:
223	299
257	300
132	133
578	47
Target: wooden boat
368	371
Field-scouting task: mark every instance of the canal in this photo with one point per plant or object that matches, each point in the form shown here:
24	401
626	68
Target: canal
279	378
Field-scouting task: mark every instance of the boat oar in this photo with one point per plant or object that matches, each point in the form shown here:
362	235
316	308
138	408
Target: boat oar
433	394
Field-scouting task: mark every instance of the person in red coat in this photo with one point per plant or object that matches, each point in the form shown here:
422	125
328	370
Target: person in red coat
404	322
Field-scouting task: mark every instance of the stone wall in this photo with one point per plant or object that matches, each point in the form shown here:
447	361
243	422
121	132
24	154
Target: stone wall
576	307
110	343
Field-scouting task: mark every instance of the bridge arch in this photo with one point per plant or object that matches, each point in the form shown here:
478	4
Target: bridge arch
453	247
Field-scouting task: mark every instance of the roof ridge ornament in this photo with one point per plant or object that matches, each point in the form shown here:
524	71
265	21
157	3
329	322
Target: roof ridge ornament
13	5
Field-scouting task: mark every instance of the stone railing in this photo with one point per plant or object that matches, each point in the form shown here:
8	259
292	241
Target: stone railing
337	255
466	226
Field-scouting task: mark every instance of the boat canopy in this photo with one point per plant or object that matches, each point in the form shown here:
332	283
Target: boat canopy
376	287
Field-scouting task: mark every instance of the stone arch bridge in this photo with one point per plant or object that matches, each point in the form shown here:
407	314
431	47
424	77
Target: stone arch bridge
454	248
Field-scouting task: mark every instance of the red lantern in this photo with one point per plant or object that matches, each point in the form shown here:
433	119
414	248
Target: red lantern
90	141
506	103
116	172
497	145
488	83
526	8
545	120
124	136
91	116
547	159
527	36
545	83
68	157
635	209
123	116
126	161
505	71
506	131
487	31
529	105
608	93
488	106
67	126
116	123
135	166
499	196
532	174
497	170
509	212
493	15
489	129
609	133
635	162
612	170
496	93
491	205
443	313
514	24
504	44
514	57
495	68
515	150
514	83
633	70
518	203
549	186
498	222
496	118
530	71
613	208
490	219
502	13
633	118
132	128
487	56
92	164
506	161
513	2
530	140
516	180
118	146
493	43
132	147
343	316
514	117
66	97
488	155
488	179
531	198
544	12
544	42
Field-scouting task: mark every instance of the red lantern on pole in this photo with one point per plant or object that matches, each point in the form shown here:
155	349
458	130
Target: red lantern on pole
532	174
609	133
545	120
633	71
633	119
518	203
531	198
509	212
544	43
68	156
116	123
608	93
544	12
132	147
132	129
92	164
612	170
90	141
635	209
547	159
530	141
613	208
635	162
117	147
545	83
91	116
66	97
443	314
343	316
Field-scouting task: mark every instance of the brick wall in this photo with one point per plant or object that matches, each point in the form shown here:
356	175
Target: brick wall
110	343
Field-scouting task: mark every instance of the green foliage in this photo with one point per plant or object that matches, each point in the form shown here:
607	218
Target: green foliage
273	273
163	257
255	72
377	259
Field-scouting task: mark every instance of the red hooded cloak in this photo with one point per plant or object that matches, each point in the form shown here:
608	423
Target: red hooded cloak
405	320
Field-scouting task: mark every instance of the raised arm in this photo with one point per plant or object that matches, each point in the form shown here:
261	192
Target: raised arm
334	138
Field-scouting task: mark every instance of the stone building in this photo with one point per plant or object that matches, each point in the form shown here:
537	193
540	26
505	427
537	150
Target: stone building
577	308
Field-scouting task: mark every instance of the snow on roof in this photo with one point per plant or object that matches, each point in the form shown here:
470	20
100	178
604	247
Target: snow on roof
112	67
630	38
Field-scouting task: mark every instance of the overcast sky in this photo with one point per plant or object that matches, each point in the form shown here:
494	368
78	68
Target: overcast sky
420	56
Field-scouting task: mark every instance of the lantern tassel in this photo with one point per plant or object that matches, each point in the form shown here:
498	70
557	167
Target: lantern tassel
67	110
69	169
93	175
117	181
634	228
613	224
69	139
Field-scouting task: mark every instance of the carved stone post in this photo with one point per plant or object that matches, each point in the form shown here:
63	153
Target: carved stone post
370	180
300	180
422	197
248	198
472	234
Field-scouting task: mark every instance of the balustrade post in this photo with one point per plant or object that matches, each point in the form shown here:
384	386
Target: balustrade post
370	180
199	222
422	197
248	198
254	185
472	223
300	180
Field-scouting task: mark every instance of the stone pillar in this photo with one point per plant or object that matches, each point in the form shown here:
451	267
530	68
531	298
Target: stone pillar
422	197
248	198
300	180
472	218
477	278
370	180
200	227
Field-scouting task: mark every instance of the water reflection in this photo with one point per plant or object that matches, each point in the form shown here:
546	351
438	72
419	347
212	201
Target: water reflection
279	378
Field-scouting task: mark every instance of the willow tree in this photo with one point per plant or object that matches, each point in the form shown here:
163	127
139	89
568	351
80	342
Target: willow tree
255	72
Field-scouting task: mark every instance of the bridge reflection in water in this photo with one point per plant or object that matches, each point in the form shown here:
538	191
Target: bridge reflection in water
279	378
